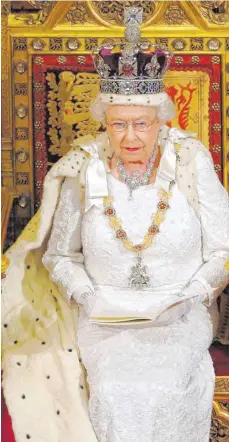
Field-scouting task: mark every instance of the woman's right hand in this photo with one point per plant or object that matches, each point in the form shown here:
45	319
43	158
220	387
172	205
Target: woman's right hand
86	299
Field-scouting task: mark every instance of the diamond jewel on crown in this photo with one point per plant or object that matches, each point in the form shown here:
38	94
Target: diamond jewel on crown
137	66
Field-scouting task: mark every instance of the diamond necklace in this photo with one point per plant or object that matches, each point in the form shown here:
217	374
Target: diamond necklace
139	273
135	180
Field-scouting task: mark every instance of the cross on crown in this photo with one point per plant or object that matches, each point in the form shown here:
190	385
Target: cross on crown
133	66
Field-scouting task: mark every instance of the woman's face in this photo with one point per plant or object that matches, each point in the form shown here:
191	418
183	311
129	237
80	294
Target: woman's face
131	144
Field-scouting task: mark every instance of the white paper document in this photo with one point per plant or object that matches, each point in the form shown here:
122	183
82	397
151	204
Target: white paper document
117	305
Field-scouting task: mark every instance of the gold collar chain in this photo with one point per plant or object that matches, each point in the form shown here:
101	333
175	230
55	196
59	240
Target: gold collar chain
153	229
139	278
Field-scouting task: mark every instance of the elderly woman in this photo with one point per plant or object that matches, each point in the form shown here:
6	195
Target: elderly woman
139	241
146	255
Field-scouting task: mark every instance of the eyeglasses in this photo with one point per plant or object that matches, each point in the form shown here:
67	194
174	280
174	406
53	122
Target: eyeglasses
138	126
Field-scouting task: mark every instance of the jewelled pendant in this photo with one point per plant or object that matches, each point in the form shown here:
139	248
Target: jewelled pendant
139	278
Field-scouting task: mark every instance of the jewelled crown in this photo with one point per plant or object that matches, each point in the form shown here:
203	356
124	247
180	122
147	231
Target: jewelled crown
139	65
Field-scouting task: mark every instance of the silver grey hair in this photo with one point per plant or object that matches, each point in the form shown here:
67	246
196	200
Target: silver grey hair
165	111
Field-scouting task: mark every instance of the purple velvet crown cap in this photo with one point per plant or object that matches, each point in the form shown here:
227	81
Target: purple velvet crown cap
142	64
134	66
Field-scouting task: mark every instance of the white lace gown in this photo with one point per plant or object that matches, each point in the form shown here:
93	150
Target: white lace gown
151	383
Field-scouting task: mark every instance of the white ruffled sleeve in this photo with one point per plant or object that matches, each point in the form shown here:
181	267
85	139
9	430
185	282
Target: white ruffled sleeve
64	259
214	218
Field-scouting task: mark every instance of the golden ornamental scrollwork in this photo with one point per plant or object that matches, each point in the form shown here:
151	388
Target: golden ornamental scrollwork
222	385
175	15
79	13
225	407
113	11
219	429
5	8
44	8
216	12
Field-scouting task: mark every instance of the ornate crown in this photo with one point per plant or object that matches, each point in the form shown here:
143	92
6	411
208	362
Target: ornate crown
135	69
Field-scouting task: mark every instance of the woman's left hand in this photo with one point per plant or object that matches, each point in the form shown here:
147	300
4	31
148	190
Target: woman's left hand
174	313
180	309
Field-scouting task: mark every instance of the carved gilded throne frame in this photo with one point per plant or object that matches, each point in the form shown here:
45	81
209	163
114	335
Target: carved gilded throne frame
45	50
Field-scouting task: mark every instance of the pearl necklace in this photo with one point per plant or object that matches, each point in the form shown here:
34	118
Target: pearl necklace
134	180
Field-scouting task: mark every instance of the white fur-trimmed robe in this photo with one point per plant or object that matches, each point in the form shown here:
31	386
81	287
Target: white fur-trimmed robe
44	383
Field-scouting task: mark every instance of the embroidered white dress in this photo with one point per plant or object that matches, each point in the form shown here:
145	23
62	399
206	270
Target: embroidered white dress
151	383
